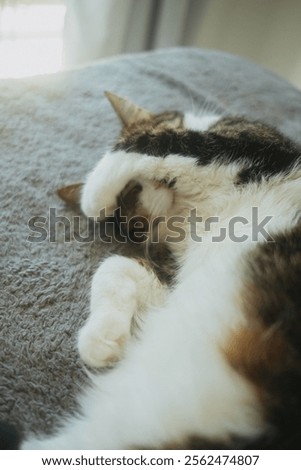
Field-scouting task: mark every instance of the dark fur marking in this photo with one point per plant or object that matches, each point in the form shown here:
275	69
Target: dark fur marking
158	256
130	217
195	442
260	150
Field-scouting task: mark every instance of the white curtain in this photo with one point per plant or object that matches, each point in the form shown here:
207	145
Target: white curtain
265	31
100	28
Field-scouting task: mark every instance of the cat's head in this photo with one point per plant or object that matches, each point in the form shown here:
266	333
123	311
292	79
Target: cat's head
134	179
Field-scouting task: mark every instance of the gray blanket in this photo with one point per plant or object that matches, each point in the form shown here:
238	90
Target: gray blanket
52	131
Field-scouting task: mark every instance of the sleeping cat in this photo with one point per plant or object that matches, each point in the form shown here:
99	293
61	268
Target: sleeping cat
203	335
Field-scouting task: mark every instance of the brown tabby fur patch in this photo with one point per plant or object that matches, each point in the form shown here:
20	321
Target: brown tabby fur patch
153	126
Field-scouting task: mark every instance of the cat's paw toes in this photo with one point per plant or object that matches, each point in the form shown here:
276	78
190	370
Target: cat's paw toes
100	349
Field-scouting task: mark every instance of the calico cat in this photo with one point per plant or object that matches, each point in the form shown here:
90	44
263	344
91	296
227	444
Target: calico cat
203	336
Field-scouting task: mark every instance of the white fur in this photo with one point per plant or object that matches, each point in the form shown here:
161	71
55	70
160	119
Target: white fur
173	380
200	122
121	289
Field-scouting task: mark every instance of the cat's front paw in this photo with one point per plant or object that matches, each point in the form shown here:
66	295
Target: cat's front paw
101	346
104	184
94	203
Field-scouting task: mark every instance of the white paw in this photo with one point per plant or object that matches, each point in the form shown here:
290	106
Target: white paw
93	202
102	345
104	184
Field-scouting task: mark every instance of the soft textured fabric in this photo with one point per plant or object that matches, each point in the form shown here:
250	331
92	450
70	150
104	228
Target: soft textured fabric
52	131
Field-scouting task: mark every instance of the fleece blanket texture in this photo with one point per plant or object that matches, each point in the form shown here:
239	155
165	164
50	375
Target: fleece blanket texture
53	129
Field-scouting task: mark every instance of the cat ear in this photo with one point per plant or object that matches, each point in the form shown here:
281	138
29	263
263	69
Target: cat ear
71	194
126	111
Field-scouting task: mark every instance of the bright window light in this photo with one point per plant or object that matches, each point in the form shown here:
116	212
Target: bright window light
31	39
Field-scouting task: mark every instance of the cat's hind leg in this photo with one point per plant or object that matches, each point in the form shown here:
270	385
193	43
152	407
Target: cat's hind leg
122	289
